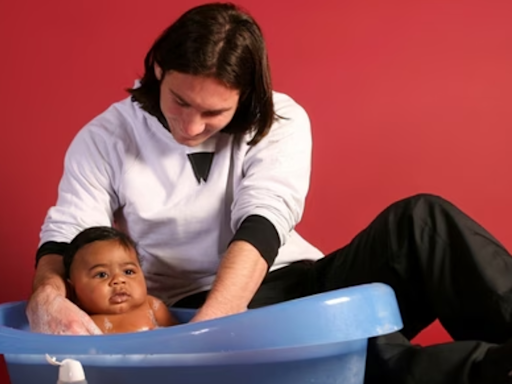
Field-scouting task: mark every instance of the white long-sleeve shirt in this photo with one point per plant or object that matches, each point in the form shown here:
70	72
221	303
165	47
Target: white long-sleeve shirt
124	166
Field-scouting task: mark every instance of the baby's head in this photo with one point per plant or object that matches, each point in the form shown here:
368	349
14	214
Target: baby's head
102	266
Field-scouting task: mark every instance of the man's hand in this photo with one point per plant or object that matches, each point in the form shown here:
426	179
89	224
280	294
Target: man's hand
48	311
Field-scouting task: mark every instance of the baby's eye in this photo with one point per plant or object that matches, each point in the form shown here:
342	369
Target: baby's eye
129	272
101	275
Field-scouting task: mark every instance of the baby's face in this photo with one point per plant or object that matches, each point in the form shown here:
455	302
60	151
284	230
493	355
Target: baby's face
107	278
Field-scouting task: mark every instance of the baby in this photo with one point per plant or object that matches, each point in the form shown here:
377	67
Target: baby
103	270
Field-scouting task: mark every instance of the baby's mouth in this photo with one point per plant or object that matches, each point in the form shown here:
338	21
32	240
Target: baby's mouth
119	297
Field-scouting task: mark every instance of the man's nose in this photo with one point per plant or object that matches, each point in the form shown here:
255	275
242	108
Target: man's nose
193	124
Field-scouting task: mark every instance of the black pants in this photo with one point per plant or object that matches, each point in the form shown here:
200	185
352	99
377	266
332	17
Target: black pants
441	265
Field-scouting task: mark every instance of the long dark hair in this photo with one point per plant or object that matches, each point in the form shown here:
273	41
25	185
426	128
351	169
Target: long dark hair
221	41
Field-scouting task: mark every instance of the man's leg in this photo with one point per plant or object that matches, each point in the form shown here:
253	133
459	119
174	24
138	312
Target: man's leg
288	283
441	264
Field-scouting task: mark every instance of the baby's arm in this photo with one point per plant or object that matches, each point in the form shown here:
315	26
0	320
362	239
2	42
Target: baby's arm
163	317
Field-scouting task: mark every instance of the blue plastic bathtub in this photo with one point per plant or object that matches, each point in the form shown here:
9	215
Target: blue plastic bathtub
318	339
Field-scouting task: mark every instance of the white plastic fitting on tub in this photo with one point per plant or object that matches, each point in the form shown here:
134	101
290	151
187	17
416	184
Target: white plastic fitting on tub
70	371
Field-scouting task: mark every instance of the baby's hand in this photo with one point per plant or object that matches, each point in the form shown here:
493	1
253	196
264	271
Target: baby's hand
50	312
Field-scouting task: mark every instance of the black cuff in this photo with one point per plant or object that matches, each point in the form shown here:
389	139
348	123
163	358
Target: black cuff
262	234
51	247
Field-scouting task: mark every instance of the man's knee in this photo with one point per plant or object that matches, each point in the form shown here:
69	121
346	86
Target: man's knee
425	202
428	198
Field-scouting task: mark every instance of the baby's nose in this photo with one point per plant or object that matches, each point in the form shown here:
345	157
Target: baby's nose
118	279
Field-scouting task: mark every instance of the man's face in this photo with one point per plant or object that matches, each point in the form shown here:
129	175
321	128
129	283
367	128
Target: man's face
195	107
107	278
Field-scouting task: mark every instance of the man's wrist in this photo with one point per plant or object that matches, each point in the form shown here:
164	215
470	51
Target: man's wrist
50	274
217	307
51	288
209	312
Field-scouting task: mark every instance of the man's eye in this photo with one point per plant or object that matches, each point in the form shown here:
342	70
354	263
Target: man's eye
181	103
212	114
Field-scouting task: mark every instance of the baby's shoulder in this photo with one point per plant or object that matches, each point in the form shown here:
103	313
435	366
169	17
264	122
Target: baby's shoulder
154	303
162	315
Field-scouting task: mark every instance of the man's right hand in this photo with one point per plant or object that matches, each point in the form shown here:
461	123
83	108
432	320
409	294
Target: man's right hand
49	311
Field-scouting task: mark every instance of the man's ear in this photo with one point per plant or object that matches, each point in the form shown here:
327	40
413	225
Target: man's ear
158	72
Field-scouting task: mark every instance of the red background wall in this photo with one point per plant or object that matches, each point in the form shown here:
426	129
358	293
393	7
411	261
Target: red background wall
404	97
